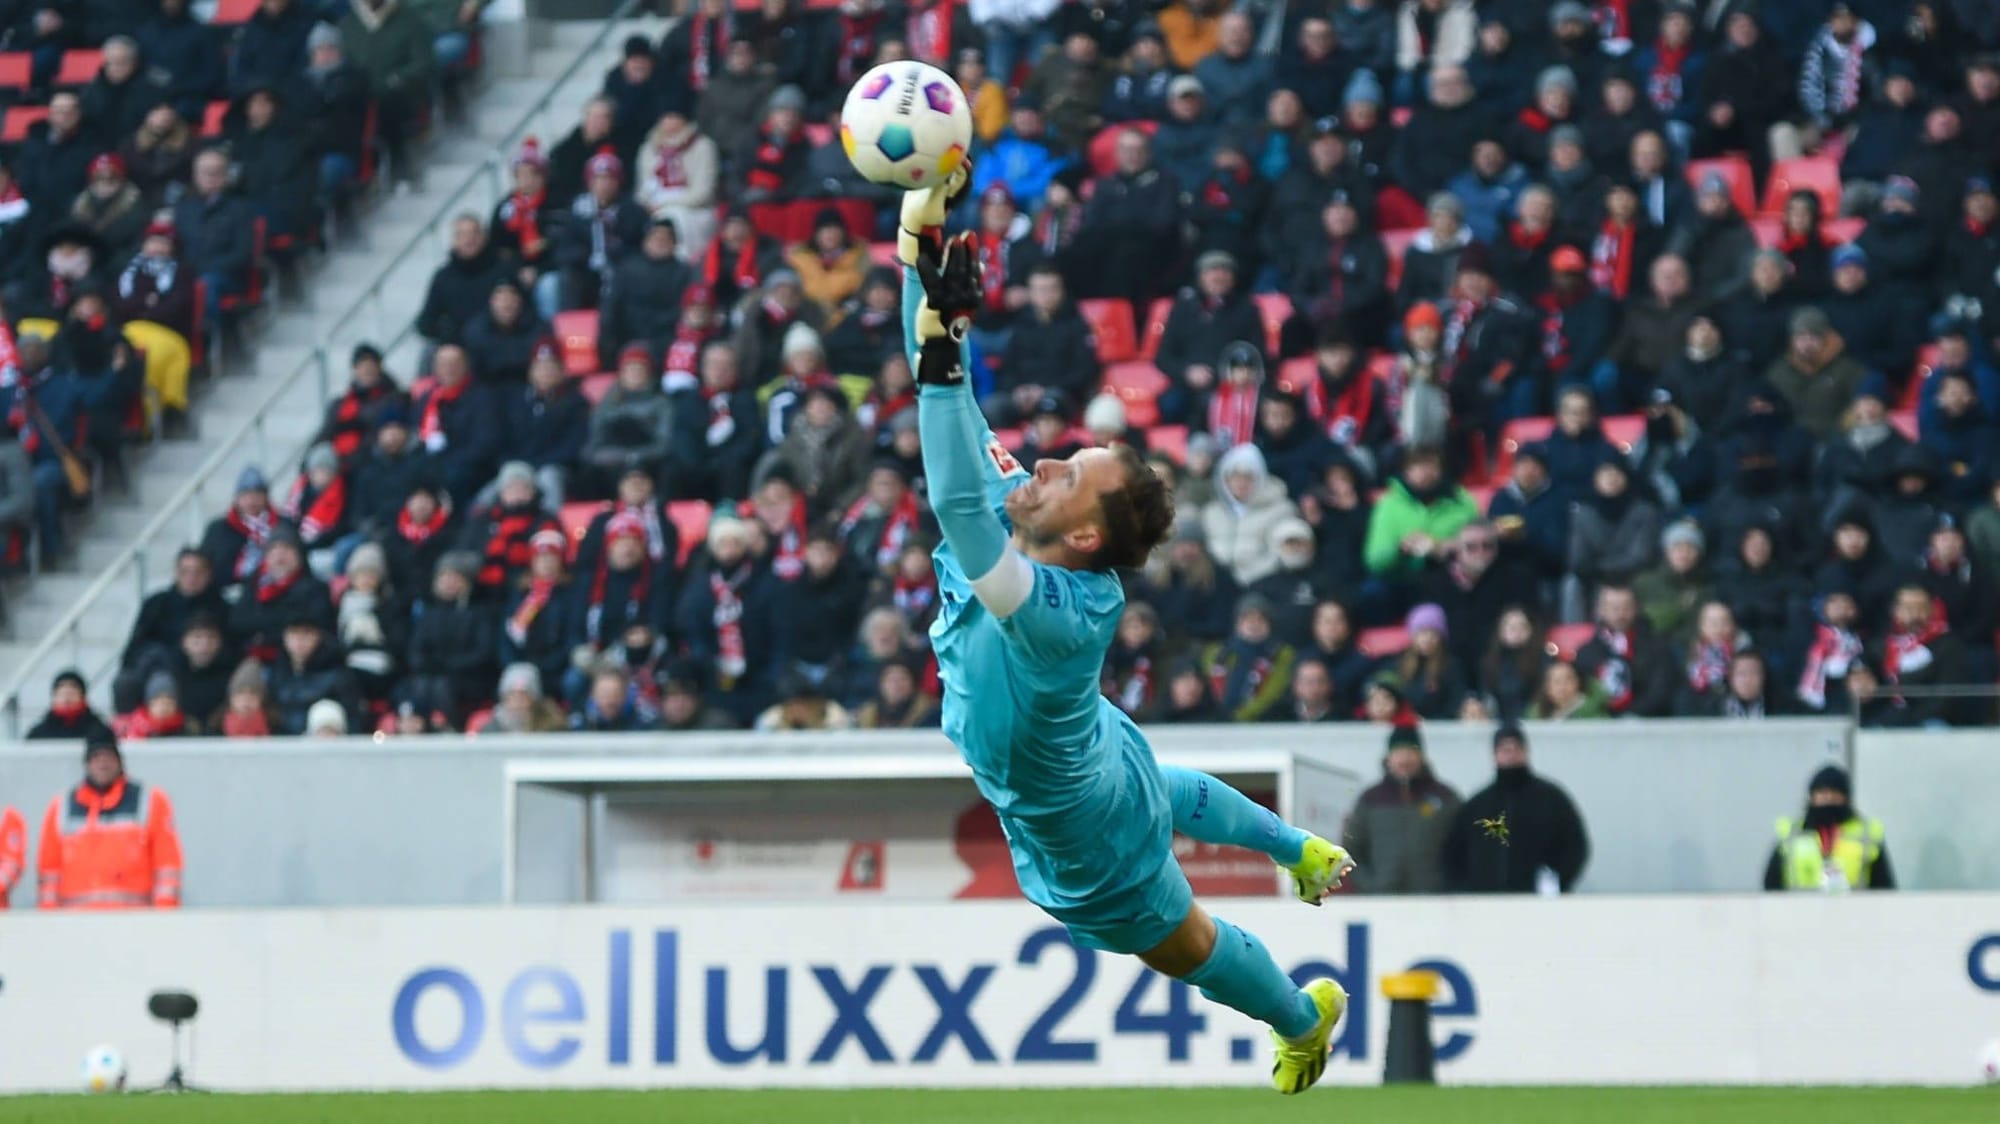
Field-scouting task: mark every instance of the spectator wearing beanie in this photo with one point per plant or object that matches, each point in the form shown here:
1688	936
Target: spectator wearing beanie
1872	321
772	158
1204	321
455	646
768	322
1251	672
520	707
831	264
383	474
1577	321
624	603
351	419
371	623
1192	592
732	618
548	420
1434	680
1816	376
603	229
1614	534
500	340
112	207
502	531
159	713
523	225
632	427
1300	582
70	717
1672	592
1398	828
1907	507
826	450
458	425
1296	452
1327	169
1531	513
308	672
325	719
1431	262
541	616
1715	240
1957	426
329	101
317	503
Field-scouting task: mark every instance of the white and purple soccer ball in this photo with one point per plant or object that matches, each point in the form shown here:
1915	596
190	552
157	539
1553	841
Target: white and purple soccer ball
906	124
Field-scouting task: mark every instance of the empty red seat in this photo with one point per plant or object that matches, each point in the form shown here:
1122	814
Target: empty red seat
1565	639
14	127
1102	152
1156	326
883	253
1295	375
690	518
1139	385
1010	439
1817	174
576	335
1516	433
1624	430
1395	243
1168	440
1111	322
214	116
17	70
575	519
78	68
1769	230
234	11
1381	643
1736	170
595	387
1841	231
818	133
1905	423
1274	309
1482	494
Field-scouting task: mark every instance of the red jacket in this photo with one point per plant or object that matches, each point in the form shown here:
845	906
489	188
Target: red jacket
13	851
115	849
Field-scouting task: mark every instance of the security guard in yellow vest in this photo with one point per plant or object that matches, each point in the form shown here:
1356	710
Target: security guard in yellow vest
1832	849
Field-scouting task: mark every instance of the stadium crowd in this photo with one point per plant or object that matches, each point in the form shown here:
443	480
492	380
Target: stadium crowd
1510	360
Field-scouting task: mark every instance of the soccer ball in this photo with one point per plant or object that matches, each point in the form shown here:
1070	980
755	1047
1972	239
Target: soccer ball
906	124
103	1070
1989	1063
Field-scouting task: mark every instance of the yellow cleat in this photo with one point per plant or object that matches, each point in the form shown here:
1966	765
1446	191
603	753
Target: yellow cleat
1301	1061
1319	870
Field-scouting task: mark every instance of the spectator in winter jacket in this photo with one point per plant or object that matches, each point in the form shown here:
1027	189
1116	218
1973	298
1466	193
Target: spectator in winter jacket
1714	240
1577	446
1205	320
1431	262
1816	376
1397	830
1958	427
547	420
455	645
69	717
1415	518
163	618
1832	77
317	505
1631	664
271	45
1521	834
329	104
541	623
1050	349
382	473
1473	583
1866	315
600	232
158	715
501	339
831	264
372	624
1614	534
500	531
184	51
234	542
1920	651
1432	147
731	617
614	704
1251	672
643	301
309	670
1295	450
1024	158
281	589
1565	695
826	450
392	46
1487	190
1338	273
521	708
1237	77
460	288
1434	682
1249	503
717	437
271	166
1300	582
678	171
1070	84
632	426
458	425
1531	515
1652	331
1672	593
1129	236
1138	88
112	207
215	232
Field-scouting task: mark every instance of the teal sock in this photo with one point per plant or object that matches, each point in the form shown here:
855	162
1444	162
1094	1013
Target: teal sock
1241	975
1211	811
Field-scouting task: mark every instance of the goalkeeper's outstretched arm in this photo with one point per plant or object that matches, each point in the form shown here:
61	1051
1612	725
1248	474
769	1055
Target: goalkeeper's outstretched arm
940	291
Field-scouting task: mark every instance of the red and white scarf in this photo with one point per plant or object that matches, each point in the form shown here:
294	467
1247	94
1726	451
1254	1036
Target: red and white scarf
256	531
1615	674
540	592
430	428
316	513
1611	258
788	554
417	534
635	596
1910	652
1708	667
915	598
10	359
732	655
897	526
1833	651
521	215
671	172
706	40
1232	415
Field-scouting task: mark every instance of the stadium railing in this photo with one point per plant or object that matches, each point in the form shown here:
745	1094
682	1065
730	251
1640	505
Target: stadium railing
393	318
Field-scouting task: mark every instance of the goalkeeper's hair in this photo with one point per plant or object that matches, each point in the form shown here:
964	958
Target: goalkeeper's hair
1136	517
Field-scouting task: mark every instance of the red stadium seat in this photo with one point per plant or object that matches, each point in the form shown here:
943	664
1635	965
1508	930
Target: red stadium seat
1565	639
14	127
79	68
1735	169
1111	321
1843	230
576	335
595	387
1624	430
1482	494
690	518
1817	174
234	11
1914	386
1905	423
1168	440
1156	326
213	117
1395	242
1769	229
1275	309
1138	385
17	70
1102	152
1519	432
1380	643
883	253
818	133
1010	439
479	720
575	519
1295	375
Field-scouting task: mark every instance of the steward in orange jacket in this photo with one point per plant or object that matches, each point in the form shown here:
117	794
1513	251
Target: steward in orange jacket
109	843
13	851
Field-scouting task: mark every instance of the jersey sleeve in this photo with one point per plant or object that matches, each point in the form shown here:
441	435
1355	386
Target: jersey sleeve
1064	612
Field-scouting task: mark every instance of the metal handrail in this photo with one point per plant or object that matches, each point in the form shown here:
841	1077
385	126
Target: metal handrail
188	497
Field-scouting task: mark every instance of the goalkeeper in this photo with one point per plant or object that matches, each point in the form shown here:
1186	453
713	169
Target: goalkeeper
1029	604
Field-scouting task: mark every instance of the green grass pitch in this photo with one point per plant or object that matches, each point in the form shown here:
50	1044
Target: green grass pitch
1057	1106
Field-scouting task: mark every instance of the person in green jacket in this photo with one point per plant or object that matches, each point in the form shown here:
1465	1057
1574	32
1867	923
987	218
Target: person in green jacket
392	46
1251	671
1417	515
1566	694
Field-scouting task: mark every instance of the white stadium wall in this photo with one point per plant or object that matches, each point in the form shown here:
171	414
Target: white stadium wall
1589	989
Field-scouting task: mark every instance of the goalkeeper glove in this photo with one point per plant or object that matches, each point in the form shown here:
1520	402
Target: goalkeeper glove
924	210
952	293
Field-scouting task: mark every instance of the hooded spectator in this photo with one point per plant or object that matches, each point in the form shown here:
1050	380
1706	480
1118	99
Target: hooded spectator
1958	428
1398	828
1540	844
1240	521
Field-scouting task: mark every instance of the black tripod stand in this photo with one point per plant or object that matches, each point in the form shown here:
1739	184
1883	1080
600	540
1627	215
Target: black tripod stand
174	1008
